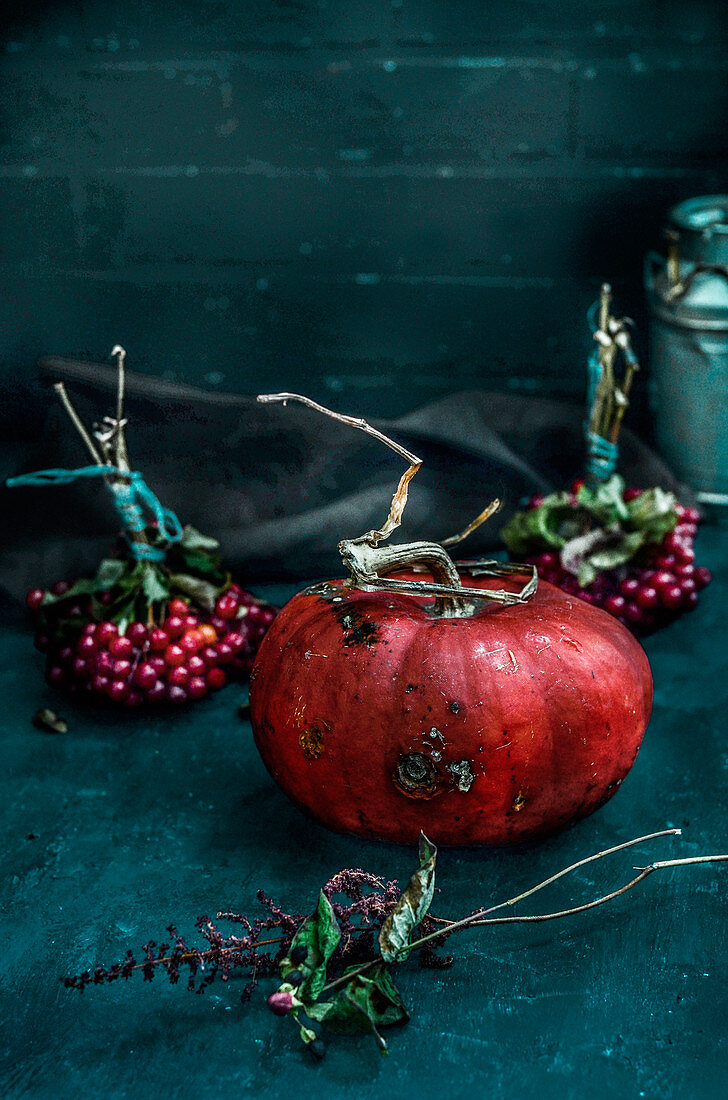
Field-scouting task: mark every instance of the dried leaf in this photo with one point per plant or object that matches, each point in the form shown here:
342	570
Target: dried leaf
605	502
609	557
154	584
201	563
110	572
411	907
86	586
602	548
203	592
320	935
552	524
192	539
365	1003
653	513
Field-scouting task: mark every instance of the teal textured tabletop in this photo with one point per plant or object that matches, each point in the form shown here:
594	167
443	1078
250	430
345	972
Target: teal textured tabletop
124	824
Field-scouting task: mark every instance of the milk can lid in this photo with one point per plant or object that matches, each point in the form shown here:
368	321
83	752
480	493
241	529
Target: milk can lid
706	214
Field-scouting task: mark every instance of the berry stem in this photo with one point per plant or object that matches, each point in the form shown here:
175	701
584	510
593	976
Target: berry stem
78	423
583	862
122	457
610	400
213	953
480	918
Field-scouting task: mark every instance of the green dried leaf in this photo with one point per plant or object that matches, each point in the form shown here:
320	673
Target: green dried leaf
411	907
154	584
605	502
201	563
609	557
549	526
587	574
653	513
192	539
110	572
365	1003
86	586
522	534
123	610
602	548
320	935
132	578
202	591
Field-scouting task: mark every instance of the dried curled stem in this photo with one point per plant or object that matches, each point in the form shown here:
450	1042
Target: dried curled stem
488	511
367	561
399	500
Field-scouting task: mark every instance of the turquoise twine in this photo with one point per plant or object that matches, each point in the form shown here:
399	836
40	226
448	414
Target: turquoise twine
131	496
601	458
594	373
602	454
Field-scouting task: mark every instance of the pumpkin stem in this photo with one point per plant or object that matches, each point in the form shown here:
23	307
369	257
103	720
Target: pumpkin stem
367	565
367	561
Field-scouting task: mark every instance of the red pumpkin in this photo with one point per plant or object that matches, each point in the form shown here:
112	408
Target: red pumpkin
382	719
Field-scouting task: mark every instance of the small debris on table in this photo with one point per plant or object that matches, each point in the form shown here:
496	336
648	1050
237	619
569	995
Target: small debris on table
49	721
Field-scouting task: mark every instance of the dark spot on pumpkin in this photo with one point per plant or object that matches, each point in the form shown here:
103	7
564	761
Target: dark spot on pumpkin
411	687
357	630
455	708
416	776
311	740
519	802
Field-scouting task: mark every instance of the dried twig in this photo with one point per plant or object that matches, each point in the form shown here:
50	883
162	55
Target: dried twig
399	499
78	424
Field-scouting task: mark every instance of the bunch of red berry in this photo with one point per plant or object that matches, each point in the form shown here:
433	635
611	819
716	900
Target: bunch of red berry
183	657
660	583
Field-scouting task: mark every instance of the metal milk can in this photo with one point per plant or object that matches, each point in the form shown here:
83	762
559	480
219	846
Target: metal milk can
687	293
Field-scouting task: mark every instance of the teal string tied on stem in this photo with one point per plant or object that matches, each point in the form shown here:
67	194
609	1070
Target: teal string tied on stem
602	453
594	373
602	457
132	498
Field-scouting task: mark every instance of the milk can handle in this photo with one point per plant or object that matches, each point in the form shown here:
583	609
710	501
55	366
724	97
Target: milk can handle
678	290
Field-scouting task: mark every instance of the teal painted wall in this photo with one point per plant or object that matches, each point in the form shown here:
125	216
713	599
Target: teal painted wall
379	202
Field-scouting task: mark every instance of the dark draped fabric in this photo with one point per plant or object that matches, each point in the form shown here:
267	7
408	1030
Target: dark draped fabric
280	486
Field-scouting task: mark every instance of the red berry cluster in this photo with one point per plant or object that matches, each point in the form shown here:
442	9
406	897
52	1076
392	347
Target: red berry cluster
184	657
660	583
